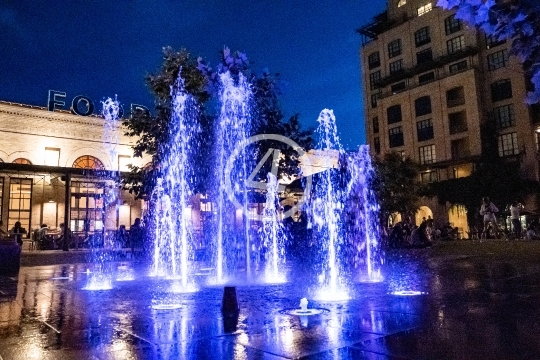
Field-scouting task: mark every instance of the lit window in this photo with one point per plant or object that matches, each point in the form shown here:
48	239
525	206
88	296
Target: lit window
22	161
52	156
88	162
424	9
401	3
20	195
508	144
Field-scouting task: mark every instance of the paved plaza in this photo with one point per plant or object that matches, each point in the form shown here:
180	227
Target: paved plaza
477	301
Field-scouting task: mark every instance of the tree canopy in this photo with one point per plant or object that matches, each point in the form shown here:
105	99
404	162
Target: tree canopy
518	21
201	81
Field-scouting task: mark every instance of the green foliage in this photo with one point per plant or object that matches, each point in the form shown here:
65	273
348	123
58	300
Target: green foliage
201	82
396	184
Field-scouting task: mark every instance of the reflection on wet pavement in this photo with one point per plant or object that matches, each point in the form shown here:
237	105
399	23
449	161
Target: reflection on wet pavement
469	308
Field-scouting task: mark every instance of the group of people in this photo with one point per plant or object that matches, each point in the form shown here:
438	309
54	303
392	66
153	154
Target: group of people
491	228
405	234
43	240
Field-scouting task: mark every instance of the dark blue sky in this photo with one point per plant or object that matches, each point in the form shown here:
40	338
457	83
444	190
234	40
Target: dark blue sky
101	48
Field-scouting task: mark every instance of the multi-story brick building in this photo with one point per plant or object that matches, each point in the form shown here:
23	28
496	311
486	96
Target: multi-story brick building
430	83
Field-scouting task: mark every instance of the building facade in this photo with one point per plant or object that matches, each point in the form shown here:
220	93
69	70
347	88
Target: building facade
57	167
431	84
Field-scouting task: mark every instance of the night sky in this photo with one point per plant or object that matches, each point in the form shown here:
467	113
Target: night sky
101	48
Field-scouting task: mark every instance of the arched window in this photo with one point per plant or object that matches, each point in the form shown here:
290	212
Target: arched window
22	161
88	162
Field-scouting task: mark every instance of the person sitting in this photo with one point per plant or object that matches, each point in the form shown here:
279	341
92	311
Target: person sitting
136	235
419	236
41	237
17	230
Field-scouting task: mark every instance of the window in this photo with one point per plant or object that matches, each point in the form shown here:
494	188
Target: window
394	48
401	3
88	162
455	44
491	42
501	90
422	106
22	161
424	9
393	114
422	37
458	67
398	87
374	60
374	98
377	145
457	122
395	136
424	56
426	154
425	78
374	79
497	60
451	24
459	148
375	124
87	206
424	130
52	156
20	195
504	116
396	67
455	97
429	177
508	144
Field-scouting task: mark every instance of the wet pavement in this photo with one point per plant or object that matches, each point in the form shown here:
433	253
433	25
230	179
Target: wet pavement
474	303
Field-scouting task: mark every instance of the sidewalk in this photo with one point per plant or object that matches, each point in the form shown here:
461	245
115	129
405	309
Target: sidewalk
57	257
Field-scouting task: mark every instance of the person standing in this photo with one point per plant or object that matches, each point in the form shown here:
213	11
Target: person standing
17	230
488	210
136	236
515	216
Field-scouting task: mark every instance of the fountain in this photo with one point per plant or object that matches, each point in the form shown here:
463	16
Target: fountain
101	277
232	128
362	208
273	234
172	193
327	208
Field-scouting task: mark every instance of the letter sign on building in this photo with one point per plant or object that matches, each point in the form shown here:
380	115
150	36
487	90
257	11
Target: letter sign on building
53	101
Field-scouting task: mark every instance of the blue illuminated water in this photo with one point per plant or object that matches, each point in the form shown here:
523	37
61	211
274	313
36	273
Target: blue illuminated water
171	198
233	126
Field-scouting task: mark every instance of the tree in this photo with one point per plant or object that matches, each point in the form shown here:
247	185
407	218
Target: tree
201	81
396	185
514	20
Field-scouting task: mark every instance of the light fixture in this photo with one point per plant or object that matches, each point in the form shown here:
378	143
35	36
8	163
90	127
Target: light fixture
51	200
